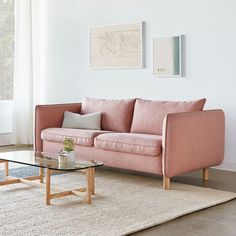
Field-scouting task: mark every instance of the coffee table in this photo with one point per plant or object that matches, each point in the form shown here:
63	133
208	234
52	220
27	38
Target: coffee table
50	163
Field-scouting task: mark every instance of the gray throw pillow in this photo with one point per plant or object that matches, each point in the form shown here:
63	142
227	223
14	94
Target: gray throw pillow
77	121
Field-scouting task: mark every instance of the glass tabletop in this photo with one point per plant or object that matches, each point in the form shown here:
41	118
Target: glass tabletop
46	160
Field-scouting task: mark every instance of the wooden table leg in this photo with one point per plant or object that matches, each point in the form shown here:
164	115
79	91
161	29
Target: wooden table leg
41	174
93	181
48	184
6	169
89	185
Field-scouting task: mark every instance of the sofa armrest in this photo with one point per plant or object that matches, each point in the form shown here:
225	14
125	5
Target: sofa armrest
192	140
47	116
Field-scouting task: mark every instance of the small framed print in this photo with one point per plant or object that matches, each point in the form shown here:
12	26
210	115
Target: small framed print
167	56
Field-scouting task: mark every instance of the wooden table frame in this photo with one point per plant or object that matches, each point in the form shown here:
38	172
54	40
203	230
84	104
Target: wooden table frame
85	192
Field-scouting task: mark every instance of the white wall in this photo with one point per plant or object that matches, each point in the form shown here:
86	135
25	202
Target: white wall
209	27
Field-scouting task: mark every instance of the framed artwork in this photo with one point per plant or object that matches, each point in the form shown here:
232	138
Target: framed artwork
116	46
167	56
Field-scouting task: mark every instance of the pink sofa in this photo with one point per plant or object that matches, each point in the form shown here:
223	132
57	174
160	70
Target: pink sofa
159	137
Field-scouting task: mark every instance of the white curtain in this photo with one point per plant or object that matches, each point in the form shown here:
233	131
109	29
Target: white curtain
24	74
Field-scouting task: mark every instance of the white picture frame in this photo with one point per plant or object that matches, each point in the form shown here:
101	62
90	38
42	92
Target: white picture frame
118	46
167	56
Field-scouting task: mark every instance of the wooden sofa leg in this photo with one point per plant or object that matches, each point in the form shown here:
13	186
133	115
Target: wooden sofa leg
205	174
166	183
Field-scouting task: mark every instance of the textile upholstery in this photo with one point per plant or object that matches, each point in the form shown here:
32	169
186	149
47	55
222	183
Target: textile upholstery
47	116
80	136
122	160
167	138
77	121
149	115
193	140
144	144
116	114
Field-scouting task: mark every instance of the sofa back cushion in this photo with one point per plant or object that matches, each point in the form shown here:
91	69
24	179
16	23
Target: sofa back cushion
149	115
116	114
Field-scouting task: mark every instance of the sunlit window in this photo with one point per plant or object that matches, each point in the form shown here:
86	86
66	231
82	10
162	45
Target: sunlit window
6	49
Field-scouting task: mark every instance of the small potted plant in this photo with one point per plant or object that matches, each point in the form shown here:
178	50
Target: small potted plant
67	154
68	145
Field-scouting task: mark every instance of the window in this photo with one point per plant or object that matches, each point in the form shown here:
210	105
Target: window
6	49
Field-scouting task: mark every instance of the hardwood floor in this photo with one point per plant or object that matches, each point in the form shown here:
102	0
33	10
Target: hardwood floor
218	220
15	148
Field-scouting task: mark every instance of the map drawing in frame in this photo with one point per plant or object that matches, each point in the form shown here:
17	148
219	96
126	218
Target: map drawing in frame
116	46
167	56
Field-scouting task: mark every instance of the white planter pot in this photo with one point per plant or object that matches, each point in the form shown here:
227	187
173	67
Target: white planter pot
67	157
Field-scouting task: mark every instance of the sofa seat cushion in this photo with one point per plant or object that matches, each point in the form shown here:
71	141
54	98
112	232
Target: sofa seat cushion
149	115
116	114
80	136
144	144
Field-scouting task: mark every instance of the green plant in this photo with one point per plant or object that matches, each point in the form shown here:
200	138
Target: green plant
68	144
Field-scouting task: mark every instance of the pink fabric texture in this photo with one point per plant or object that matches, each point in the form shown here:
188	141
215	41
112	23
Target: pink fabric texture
193	141
149	115
80	136
48	116
143	144
128	161
116	114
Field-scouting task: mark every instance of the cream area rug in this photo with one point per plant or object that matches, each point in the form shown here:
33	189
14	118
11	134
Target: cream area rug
124	203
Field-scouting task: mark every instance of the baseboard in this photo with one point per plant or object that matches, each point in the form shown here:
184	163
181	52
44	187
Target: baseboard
226	166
